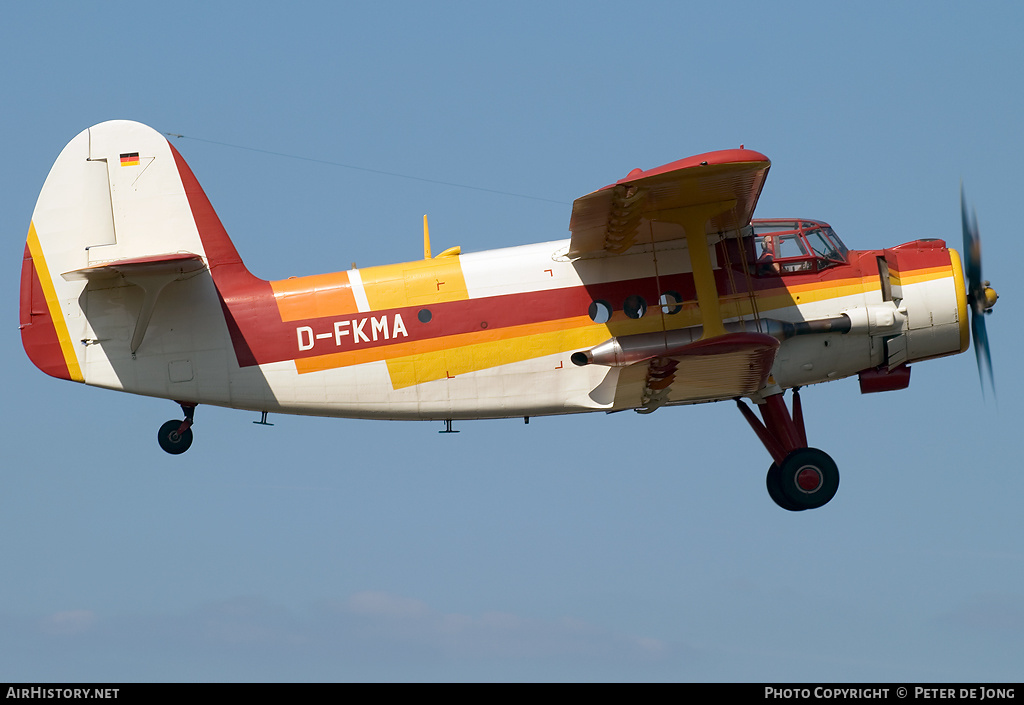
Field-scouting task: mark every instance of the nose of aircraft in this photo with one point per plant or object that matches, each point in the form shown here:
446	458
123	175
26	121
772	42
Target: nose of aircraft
990	297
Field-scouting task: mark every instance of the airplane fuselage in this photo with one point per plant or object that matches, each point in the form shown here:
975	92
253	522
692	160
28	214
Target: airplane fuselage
490	334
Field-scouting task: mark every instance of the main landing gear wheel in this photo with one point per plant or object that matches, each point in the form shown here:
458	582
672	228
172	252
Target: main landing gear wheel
774	484
808	479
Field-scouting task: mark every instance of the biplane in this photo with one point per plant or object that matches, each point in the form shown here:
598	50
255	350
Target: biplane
668	292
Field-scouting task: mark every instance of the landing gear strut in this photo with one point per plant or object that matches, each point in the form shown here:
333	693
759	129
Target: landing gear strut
801	477
175	436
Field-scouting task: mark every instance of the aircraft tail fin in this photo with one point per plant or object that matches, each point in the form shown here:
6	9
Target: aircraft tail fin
119	204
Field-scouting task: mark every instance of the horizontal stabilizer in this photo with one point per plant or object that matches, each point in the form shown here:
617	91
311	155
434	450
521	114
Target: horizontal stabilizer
177	263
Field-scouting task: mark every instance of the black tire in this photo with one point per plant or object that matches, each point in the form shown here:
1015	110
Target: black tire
809	478
173	442
774	483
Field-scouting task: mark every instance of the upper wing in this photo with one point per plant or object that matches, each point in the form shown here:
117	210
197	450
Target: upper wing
611	219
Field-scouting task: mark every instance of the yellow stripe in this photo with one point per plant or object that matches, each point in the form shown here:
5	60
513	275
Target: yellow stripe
431	281
67	348
462	359
961	298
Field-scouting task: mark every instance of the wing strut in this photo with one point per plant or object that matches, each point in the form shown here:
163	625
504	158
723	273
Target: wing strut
694	220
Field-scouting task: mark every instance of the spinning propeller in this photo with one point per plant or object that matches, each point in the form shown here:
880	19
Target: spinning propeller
980	296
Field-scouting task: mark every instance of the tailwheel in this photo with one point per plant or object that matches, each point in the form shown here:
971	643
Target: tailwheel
808	479
172	439
175	437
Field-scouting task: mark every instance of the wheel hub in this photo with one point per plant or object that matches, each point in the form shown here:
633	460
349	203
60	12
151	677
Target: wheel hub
808	479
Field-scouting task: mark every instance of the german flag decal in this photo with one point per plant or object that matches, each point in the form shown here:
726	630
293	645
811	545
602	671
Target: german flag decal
131	159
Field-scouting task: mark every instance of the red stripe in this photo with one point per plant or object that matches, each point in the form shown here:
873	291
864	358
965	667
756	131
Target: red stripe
38	334
247	301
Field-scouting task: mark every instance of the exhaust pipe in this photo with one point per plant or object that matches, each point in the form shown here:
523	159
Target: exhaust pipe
631	349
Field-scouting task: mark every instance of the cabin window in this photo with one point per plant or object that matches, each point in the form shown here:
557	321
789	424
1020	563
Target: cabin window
424	315
635	306
600	311
671	303
789	246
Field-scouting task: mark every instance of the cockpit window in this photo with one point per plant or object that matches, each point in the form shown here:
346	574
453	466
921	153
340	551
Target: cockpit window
789	246
840	247
821	246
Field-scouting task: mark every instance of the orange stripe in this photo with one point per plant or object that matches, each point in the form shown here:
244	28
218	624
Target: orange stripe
915	276
318	296
433	345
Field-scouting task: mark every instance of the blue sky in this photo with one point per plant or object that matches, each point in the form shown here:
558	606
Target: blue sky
595	547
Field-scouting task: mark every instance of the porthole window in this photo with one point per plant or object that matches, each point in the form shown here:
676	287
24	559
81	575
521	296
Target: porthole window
424	315
635	306
600	311
671	302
